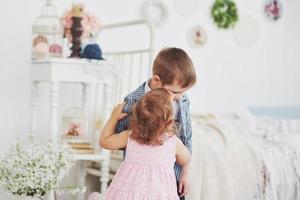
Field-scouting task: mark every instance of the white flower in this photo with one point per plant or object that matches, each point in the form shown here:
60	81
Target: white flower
35	169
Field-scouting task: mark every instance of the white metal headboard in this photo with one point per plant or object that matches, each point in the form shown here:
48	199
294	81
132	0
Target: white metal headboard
132	54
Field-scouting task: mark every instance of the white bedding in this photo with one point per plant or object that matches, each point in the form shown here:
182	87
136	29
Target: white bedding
244	157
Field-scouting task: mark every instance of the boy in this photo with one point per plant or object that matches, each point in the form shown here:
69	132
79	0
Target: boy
174	71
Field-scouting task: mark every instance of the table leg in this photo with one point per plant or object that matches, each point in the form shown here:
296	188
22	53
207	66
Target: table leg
86	101
82	177
53	129
34	106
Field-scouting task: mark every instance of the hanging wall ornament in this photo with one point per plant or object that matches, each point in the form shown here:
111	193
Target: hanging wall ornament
273	9
187	7
224	13
197	37
155	11
246	31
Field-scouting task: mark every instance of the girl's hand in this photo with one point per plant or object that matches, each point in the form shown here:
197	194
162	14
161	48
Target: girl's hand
117	112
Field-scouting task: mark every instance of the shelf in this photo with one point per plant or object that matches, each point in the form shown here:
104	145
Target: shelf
68	61
71	70
90	157
97	172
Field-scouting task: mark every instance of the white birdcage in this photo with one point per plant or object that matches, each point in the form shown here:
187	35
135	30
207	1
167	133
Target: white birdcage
47	33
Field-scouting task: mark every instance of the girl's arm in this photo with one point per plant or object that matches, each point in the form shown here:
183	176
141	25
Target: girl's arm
183	155
108	139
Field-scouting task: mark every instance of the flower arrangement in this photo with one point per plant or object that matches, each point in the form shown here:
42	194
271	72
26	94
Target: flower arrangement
90	23
75	129
224	13
36	169
273	9
79	28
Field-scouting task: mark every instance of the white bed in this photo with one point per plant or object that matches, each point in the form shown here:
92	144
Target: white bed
246	156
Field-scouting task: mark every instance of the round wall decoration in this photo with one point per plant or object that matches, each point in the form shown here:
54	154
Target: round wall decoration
197	37
246	31
155	11
224	13
273	9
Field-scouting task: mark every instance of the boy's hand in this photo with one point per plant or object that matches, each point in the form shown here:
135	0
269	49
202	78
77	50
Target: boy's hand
117	112
184	182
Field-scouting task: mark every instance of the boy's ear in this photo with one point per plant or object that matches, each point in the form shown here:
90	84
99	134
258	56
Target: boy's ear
156	81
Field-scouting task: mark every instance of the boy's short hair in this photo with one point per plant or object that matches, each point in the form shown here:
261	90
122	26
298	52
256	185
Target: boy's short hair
173	64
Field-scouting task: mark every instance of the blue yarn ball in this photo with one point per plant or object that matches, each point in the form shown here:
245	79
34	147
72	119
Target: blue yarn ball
92	51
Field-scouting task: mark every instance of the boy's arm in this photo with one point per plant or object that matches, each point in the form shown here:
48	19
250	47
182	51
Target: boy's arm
183	157
188	134
188	138
123	124
184	182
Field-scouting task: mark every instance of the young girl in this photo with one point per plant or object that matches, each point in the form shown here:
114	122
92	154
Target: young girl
151	150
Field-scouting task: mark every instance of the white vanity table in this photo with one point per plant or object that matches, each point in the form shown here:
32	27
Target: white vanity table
77	71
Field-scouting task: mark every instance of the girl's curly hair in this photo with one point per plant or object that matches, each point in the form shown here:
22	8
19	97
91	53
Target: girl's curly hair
151	117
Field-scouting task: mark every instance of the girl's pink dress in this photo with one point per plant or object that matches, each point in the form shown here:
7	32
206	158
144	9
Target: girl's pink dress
147	173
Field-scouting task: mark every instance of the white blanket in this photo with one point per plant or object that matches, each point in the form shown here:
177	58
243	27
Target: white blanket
229	163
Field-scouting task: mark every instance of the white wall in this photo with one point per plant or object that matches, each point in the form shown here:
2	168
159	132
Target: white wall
228	75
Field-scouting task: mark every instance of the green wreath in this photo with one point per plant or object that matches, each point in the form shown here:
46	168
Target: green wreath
224	13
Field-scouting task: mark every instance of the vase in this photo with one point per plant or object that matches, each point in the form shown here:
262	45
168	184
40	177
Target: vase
76	31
